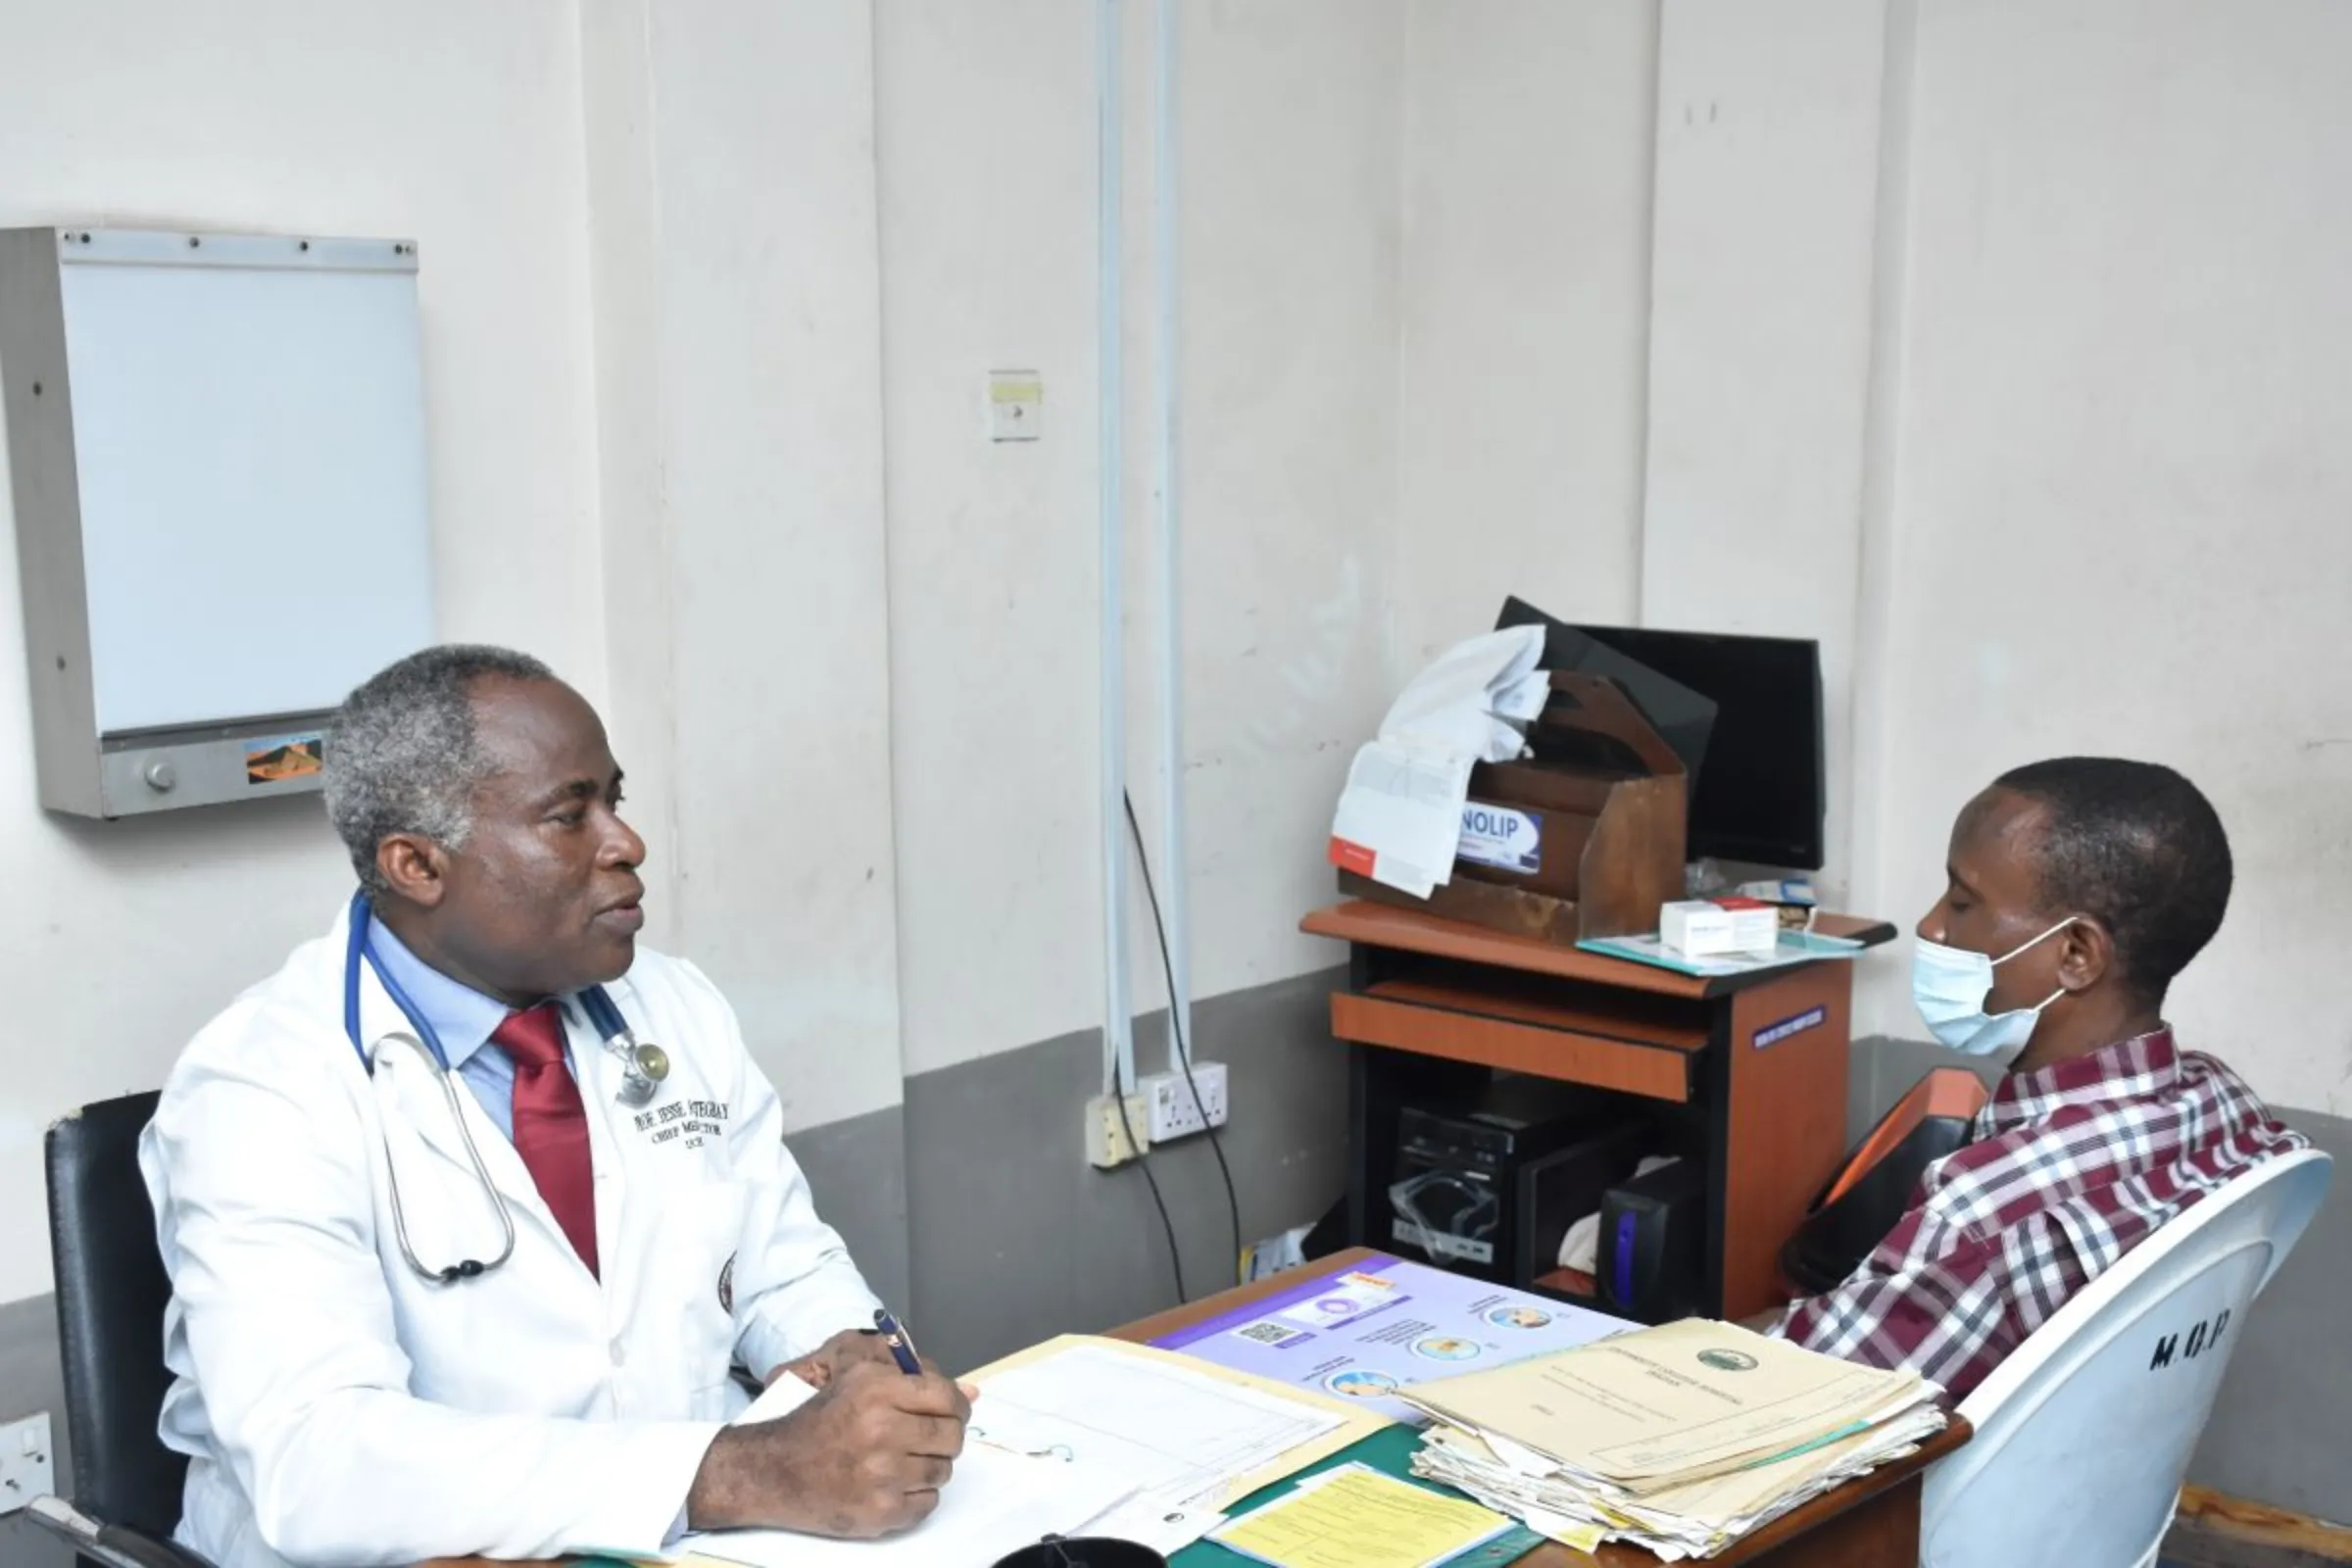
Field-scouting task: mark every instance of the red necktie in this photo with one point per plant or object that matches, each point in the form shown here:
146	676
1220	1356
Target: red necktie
551	1124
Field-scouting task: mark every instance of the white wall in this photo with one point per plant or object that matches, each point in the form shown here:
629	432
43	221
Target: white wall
1760	316
1291	289
984	137
710	287
658	256
1528	138
655	262
457	124
1289	299
1997	343
2124	490
765	357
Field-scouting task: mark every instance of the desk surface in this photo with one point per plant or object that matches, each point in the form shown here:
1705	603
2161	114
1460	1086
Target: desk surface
1838	1505
1821	1511
1380	925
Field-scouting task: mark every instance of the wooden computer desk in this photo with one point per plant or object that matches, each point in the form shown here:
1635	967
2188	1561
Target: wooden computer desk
1747	1074
1869	1522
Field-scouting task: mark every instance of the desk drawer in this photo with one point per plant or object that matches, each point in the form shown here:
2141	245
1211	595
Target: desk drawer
1423	1021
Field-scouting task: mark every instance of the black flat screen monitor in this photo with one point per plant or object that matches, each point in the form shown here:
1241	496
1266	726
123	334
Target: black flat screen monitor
1762	792
1759	788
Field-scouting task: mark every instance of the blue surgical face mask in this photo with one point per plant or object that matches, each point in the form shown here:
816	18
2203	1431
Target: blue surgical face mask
1951	986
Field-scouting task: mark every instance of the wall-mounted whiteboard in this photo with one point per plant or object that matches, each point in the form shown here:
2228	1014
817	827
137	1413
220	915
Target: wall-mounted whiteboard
248	419
217	459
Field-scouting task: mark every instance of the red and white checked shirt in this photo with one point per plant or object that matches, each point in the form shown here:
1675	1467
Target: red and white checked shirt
2072	1166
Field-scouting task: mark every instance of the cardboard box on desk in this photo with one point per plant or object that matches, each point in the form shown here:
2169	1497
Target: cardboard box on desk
1585	839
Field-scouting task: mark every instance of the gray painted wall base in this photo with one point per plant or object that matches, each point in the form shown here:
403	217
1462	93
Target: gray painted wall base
856	1172
1017	1237
972	1204
29	1381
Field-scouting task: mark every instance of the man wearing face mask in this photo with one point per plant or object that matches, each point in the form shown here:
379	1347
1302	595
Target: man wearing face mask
2076	889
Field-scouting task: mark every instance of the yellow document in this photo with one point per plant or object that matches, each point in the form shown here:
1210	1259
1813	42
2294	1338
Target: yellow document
1359	1518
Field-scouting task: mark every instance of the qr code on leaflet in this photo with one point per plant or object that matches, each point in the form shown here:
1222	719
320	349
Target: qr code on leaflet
1268	1333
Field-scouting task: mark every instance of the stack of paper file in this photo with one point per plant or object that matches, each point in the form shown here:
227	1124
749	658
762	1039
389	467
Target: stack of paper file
1680	1439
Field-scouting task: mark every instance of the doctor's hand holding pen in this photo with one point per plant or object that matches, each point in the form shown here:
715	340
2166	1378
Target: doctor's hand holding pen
865	1458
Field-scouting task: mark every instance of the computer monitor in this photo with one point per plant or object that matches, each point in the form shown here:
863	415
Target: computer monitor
1762	791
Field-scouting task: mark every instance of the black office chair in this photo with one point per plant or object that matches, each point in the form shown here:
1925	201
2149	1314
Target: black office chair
111	1295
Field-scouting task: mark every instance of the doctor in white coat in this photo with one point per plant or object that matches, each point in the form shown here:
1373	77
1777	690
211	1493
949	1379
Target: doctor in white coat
493	1307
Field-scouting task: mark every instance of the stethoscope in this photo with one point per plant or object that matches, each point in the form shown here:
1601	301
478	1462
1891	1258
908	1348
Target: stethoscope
643	1067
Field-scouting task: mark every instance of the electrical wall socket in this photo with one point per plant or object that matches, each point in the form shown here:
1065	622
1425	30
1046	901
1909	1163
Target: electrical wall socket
1106	1144
27	1470
1174	1113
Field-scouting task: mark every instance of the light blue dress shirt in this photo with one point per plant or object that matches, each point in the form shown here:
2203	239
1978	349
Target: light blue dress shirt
462	1016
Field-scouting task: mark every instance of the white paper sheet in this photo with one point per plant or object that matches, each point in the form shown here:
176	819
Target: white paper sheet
1180	1436
776	1401
995	1503
1400	814
1450	707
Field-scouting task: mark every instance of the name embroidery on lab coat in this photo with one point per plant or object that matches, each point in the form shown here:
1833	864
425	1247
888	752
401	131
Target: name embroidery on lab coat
683	1121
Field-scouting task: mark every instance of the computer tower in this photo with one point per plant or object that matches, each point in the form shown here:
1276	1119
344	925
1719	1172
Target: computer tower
1455	1197
1653	1244
1561	1188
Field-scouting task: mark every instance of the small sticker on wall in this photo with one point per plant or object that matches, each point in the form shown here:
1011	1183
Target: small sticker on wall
1774	1034
273	762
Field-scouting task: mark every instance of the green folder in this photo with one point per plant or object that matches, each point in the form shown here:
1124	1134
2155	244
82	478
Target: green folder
1391	1451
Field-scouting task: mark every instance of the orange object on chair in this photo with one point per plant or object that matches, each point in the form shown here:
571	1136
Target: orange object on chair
1873	1188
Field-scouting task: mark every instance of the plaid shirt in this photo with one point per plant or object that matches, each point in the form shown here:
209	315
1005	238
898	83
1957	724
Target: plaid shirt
2070	1167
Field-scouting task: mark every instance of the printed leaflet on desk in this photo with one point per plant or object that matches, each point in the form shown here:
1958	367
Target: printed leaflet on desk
1363	1335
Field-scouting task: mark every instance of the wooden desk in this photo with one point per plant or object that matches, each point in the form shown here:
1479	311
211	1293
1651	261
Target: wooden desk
1870	1523
1743	1074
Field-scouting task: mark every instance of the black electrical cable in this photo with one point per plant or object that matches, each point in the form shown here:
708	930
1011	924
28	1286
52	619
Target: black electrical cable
1183	1050
1118	1098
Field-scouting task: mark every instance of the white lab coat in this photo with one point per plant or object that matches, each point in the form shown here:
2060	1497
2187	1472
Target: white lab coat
339	1409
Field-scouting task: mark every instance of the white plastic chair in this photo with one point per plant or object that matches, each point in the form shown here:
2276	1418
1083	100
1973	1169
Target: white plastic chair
2083	1435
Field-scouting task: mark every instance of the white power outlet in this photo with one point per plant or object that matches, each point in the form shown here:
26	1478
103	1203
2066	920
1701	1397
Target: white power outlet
25	1468
1174	1113
1106	1142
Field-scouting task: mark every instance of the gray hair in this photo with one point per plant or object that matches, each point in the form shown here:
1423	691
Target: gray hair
403	755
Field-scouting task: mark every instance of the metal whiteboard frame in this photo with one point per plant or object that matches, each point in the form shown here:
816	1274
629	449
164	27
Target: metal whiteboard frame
80	769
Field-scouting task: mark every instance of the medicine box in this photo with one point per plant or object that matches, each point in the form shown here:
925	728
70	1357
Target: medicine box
1716	928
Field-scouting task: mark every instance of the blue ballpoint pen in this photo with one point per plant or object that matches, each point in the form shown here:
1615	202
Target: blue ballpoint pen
901	1344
